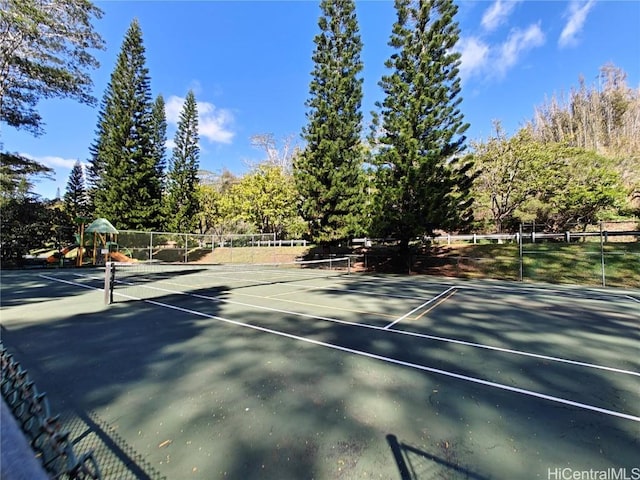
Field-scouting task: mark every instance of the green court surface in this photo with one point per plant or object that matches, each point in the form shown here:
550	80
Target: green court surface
245	376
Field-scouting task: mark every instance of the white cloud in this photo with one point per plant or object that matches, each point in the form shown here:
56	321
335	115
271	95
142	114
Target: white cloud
172	108
497	14
474	56
518	42
52	161
170	144
577	14
213	123
493	61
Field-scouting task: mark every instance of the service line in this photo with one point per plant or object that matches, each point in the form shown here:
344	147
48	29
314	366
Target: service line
420	307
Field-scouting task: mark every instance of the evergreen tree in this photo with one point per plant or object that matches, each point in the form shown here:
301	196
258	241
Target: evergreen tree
328	174
159	136
75	197
124	172
182	179
419	183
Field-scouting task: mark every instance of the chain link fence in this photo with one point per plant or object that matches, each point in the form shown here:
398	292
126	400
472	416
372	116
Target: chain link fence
187	247
607	254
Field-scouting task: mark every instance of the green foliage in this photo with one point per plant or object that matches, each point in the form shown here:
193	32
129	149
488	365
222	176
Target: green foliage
209	201
26	223
76	200
44	53
16	172
421	182
601	118
508	171
262	201
575	187
216	209
182	178
558	186
159	135
266	198
124	172
328	173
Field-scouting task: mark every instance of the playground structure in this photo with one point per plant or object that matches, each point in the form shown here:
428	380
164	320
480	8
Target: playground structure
105	244
58	256
102	244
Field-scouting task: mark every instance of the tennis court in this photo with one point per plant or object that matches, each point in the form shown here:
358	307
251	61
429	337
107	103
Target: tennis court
305	373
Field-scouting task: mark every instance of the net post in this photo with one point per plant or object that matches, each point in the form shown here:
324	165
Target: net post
604	274
521	269
186	248
109	282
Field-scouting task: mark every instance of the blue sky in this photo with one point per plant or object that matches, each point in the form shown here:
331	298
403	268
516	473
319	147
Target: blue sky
249	65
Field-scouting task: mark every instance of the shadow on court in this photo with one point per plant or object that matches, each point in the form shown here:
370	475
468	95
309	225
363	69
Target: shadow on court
414	463
170	390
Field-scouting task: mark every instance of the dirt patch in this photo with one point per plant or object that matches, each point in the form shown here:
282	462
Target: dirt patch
252	255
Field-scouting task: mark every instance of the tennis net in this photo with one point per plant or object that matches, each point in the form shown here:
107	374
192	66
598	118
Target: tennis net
142	280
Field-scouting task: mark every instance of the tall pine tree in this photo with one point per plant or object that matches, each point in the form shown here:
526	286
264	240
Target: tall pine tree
124	173
159	136
420	185
182	178
76	201
328	173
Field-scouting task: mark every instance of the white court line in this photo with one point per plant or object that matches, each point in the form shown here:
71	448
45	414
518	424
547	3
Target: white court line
374	356
75	284
375	327
419	307
632	298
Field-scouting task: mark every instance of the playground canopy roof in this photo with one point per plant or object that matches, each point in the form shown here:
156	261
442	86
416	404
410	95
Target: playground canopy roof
101	225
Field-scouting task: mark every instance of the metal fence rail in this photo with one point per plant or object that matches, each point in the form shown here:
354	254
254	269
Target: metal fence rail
607	253
183	247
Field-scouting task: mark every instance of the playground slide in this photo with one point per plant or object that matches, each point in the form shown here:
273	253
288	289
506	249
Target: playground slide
56	256
120	257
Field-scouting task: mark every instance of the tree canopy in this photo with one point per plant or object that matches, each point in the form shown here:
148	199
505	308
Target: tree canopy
76	199
328	172
182	177
45	52
420	182
125	171
523	179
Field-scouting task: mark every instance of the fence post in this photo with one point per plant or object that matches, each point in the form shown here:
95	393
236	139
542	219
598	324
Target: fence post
151	246
109	281
186	248
604	275
520	275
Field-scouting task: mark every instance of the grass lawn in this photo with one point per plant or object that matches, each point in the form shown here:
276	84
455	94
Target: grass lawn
579	263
